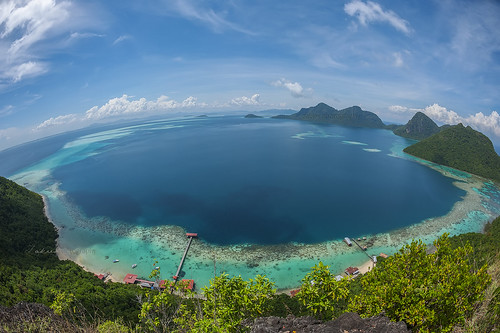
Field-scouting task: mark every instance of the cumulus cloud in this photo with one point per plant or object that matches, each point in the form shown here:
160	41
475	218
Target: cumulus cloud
60	120
441	114
294	88
369	11
123	106
244	100
484	123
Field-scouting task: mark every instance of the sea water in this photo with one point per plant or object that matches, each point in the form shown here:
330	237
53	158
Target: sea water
265	195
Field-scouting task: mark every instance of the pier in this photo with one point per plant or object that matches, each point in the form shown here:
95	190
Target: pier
362	249
190	236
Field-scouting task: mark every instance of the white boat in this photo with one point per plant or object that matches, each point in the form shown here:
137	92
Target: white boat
115	261
134	265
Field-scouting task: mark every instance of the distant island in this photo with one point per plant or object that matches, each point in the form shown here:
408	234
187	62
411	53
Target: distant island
353	116
461	148
251	115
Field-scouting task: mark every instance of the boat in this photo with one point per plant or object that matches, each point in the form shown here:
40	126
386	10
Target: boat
134	265
115	261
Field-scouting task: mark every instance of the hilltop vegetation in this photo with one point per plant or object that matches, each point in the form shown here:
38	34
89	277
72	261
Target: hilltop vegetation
353	116
415	286
461	148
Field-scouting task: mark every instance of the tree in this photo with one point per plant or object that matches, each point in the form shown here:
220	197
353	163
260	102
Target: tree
230	300
430	292
322	294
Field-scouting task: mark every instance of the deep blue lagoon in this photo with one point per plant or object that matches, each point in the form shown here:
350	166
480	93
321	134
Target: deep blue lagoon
266	196
260	181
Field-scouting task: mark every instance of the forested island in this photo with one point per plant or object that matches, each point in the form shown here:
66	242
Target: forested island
461	148
423	290
322	113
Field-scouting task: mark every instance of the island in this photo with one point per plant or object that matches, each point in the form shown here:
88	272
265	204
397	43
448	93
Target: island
251	115
353	116
461	148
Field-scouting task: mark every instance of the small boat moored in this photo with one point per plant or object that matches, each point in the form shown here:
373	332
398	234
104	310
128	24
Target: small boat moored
115	261
134	265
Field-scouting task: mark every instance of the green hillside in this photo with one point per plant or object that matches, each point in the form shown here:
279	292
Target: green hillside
322	113
461	148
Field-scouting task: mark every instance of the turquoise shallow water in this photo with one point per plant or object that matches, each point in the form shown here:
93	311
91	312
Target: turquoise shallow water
267	196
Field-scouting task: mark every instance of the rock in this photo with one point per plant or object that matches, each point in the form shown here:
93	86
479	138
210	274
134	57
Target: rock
347	322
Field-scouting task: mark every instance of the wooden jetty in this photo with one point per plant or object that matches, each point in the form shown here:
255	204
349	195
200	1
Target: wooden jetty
364	250
190	236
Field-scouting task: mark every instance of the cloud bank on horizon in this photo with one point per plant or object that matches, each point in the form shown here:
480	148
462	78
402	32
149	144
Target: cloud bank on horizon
66	64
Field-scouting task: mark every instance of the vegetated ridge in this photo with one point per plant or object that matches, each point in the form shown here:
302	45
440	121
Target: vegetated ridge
419	127
322	113
461	148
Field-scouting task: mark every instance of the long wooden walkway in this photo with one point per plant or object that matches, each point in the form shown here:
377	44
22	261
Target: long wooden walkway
362	249
190	237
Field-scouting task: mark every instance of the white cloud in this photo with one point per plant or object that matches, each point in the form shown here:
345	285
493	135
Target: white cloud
56	121
490	124
441	114
27	69
123	106
80	35
194	10
32	29
6	110
369	11
295	88
241	101
31	21
398	59
398	108
121	39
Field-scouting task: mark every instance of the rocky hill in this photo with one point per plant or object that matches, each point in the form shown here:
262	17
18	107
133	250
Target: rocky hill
419	127
322	113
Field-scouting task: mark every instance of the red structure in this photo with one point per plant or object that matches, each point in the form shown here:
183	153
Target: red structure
352	271
100	276
130	278
188	284
192	234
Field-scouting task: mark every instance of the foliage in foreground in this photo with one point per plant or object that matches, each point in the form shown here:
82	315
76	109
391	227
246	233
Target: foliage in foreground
430	292
322	294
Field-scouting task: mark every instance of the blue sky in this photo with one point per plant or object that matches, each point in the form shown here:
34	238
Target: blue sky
68	64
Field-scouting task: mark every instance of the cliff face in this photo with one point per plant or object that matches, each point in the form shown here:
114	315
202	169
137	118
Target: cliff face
419	127
353	116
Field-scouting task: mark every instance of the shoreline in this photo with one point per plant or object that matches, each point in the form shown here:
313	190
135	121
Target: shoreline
91	242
